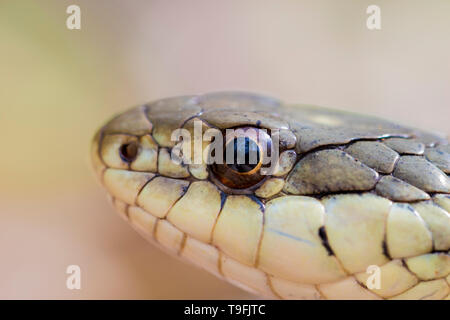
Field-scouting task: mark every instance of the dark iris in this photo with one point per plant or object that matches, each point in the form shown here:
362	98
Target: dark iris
128	152
245	154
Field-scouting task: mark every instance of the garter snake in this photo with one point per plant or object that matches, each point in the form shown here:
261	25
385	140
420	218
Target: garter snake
348	194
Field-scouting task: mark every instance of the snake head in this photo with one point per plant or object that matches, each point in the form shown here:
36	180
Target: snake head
310	198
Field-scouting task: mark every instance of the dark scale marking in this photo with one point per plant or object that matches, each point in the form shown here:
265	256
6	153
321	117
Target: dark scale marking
439	251
386	250
258	201
323	236
404	264
223	198
185	189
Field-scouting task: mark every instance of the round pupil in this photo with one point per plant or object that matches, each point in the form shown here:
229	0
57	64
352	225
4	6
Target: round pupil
245	154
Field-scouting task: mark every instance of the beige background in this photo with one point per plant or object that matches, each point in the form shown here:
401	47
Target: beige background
57	86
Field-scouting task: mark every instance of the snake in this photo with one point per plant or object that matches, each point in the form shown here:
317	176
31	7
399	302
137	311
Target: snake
349	206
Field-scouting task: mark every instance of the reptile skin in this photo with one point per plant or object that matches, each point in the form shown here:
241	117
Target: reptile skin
349	193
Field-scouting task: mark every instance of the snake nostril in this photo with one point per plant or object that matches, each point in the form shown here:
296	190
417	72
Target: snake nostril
128	151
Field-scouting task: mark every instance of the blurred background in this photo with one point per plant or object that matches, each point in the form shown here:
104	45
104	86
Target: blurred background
57	86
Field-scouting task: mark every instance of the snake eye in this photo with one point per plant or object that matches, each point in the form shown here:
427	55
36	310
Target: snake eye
249	151
243	156
128	152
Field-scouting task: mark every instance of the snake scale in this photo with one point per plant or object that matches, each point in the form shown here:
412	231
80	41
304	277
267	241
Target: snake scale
347	193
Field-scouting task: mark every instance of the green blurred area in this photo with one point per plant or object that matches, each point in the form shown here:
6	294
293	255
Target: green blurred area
56	90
